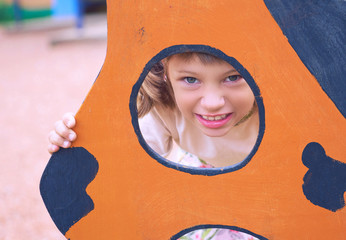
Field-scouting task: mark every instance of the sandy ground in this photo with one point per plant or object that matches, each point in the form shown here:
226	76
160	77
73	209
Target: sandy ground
38	83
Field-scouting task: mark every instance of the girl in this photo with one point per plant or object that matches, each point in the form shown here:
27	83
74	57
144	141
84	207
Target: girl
199	106
203	105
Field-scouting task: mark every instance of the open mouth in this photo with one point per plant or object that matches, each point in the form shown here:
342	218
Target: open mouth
215	121
214	118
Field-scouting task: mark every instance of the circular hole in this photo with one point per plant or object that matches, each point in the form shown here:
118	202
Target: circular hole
197	110
216	232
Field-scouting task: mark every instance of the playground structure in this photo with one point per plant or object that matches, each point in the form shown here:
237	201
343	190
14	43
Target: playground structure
291	186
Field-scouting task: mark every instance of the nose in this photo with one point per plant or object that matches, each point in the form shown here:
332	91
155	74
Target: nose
212	101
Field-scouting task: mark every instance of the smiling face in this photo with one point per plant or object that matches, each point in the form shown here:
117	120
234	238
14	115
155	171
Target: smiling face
213	96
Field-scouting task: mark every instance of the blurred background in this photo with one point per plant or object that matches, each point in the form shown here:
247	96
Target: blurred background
51	52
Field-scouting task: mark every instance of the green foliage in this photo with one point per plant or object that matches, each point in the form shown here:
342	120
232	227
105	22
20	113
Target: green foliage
7	13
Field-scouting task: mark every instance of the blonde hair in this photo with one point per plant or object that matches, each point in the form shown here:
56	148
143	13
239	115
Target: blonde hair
156	89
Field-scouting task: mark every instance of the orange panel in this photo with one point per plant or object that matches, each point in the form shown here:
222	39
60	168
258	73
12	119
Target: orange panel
136	197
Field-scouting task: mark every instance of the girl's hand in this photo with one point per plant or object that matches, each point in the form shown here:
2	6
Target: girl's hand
62	135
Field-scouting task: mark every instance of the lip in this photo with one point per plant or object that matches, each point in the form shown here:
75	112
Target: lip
214	123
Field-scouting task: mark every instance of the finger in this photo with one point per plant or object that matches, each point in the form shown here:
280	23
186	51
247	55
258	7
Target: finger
52	148
58	140
63	131
69	120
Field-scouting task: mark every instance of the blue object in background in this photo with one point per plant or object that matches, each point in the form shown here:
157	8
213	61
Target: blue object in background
17	11
69	8
64	8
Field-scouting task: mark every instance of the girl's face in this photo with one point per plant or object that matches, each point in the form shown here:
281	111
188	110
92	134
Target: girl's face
213	96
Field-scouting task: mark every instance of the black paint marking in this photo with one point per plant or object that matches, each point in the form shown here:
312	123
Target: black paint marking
325	182
316	31
63	184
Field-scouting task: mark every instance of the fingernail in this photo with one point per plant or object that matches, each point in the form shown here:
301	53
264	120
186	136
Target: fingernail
66	143
71	136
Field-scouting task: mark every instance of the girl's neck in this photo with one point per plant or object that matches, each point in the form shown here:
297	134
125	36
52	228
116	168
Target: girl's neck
247	128
240	141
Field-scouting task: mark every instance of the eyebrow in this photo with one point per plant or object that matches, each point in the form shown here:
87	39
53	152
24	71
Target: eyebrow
192	72
232	71
188	72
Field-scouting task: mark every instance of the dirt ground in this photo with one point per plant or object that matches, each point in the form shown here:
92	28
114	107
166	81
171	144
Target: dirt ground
38	83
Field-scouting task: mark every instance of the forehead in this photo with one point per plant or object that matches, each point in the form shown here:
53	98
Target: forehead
197	63
203	58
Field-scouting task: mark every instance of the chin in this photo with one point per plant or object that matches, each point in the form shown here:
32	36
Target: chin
214	132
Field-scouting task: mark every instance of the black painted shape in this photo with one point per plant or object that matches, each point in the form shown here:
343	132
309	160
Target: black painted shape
188	230
63	184
325	182
316	31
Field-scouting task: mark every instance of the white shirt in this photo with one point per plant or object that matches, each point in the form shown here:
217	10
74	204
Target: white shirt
160	127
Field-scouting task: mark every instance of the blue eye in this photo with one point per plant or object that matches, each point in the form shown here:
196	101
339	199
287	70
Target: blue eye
233	78
190	80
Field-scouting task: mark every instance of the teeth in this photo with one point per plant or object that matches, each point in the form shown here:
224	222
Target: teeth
216	118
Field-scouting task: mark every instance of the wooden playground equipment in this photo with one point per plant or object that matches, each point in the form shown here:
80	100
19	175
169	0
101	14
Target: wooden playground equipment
110	185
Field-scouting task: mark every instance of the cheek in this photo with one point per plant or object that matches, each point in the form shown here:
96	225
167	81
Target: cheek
185	100
243	100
